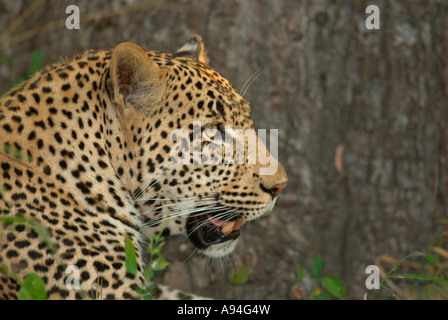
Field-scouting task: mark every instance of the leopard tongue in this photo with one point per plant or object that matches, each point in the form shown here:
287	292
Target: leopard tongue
227	226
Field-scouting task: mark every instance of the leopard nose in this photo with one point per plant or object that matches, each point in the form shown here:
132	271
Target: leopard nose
274	190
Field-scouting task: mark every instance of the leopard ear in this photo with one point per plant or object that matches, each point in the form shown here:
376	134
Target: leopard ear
135	79
194	48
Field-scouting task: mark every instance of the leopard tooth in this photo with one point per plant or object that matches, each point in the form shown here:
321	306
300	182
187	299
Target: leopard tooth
228	227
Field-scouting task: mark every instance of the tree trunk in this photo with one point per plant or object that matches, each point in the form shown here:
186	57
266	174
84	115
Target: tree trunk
361	114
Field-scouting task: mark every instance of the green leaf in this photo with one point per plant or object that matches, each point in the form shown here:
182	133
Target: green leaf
159	264
37	61
395	267
7	148
33	288
300	273
318	294
317	266
322	296
131	258
418	277
239	275
149	274
333	286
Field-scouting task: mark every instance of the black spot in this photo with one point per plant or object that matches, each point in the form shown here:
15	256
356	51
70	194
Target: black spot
68	114
36	97
12	254
18	196
211	94
93	58
220	108
34	254
64	293
7	128
40	124
80	123
32	111
63	164
102	164
58	138
21	98
33	85
16	119
47	170
22	244
68	242
154	146
151	165
101	266
85	276
159	158
32	135
63	75
83	187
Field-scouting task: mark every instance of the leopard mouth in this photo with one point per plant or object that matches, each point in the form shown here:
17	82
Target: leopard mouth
206	230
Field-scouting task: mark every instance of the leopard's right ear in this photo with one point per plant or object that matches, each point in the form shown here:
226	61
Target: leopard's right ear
194	48
135	79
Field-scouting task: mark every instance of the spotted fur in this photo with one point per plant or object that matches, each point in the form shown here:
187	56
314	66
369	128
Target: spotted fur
85	151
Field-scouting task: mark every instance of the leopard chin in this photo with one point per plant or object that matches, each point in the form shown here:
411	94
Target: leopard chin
220	250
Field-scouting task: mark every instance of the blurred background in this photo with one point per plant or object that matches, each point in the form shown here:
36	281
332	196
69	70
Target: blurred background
362	120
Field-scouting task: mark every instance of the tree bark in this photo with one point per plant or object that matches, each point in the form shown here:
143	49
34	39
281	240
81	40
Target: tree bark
361	114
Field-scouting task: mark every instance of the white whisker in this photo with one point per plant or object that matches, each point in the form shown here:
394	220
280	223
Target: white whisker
148	185
176	199
249	82
229	215
158	220
204	204
202	200
191	255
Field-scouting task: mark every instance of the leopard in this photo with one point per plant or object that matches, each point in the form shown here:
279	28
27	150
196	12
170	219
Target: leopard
88	154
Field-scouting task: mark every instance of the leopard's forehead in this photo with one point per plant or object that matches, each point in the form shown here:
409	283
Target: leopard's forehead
190	81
